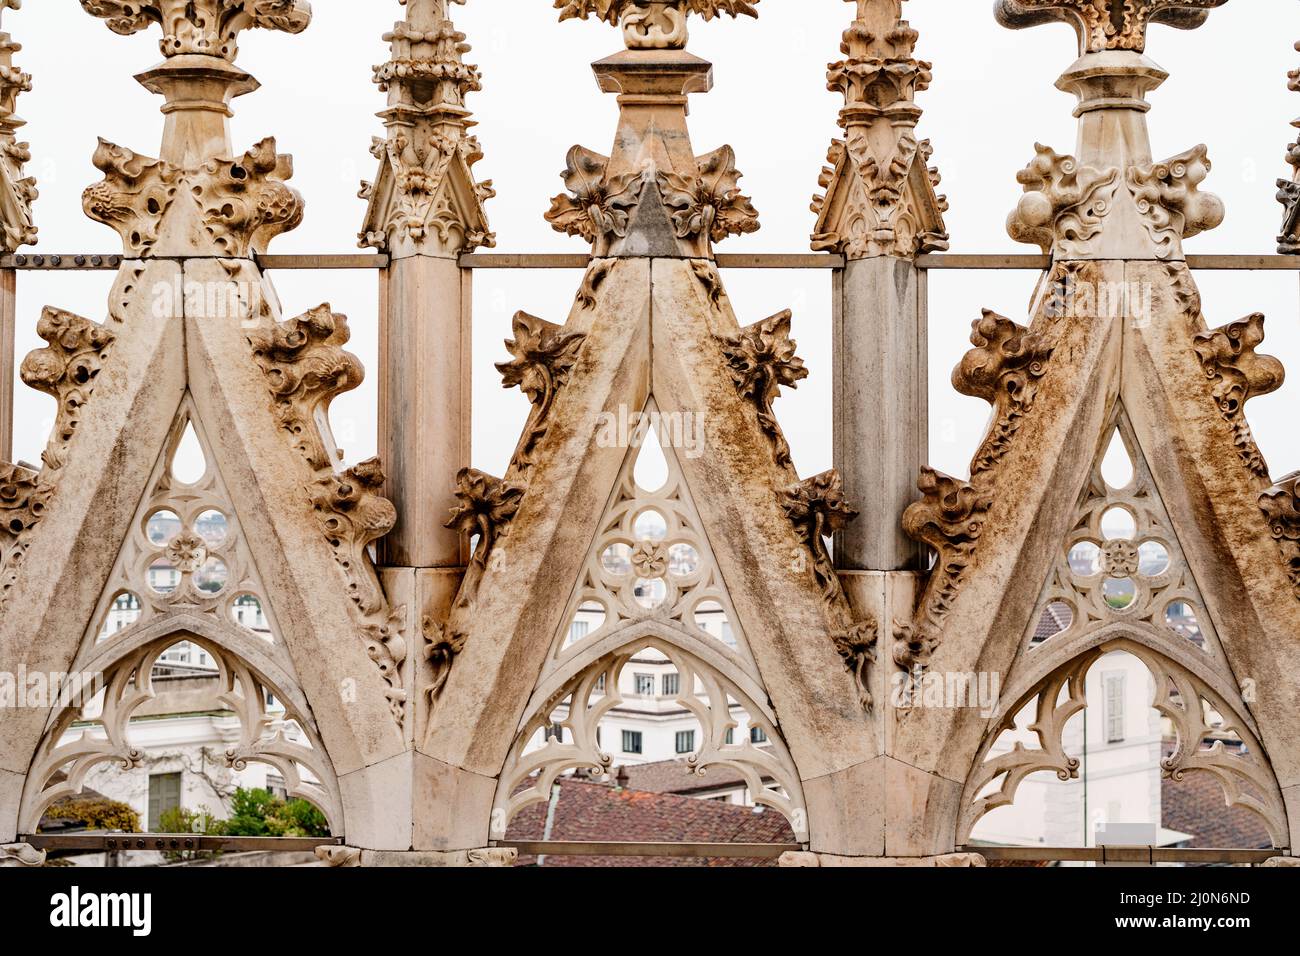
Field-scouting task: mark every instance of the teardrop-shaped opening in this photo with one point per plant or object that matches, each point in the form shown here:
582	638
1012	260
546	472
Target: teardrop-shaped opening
1117	466
651	469
189	464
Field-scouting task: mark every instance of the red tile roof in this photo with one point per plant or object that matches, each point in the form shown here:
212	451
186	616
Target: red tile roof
598	812
1196	805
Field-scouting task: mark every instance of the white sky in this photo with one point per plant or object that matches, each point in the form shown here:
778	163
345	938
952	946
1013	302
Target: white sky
992	99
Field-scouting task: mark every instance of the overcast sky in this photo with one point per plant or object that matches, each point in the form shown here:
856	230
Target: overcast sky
992	99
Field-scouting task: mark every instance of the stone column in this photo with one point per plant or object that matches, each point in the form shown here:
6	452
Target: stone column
18	192
880	211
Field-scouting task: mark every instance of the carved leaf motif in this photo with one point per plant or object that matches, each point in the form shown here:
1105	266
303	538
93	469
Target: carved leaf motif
306	368
245	203
203	27
1238	374
544	354
818	508
1288	242
1004	369
949	518
857	646
442	646
612	11
135	194
598	210
1064	203
1281	506
712	205
1169	200
1107	24
762	358
487	506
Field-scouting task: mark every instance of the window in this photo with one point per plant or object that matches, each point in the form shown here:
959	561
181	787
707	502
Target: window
685	741
164	795
557	732
757	736
578	630
672	686
600	684
645	685
1114	687
631	741
731	735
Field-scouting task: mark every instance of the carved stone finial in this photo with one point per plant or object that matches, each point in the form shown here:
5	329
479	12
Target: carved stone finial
425	199
762	359
1238	373
1107	24
17	189
201	27
1004	369
653	24
653	196
880	196
543	355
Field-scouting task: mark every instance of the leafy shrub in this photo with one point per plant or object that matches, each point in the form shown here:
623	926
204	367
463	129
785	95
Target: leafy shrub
96	814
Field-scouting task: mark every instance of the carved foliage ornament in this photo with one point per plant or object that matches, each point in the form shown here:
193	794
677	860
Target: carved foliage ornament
487	506
950	518
1107	24
306	367
711	205
205	27
1237	373
857	647
653	24
1281	506
817	508
543	355
1062	200
1004	369
762	358
1170	202
241	203
597	209
17	190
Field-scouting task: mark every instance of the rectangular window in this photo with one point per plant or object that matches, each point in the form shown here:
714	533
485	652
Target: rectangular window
164	795
600	684
276	787
631	741
685	741
645	685
731	735
1114	685
578	630
672	686
756	735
